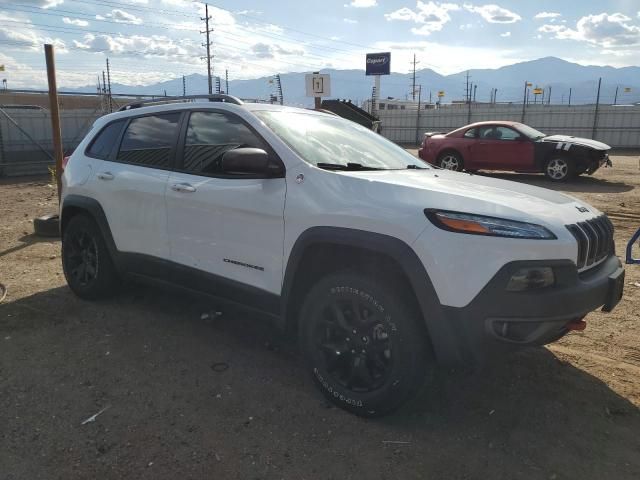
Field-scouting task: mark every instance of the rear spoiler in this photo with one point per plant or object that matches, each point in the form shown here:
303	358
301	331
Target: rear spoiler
431	134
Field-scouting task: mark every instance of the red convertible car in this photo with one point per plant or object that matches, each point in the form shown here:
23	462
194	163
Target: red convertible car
513	146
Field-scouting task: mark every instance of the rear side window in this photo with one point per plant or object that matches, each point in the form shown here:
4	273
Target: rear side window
104	141
209	136
148	141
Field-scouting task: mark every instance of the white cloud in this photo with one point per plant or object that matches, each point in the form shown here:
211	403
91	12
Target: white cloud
431	16
362	4
543	15
505	34
494	13
75	21
120	16
139	45
265	50
350	21
26	36
605	30
466	26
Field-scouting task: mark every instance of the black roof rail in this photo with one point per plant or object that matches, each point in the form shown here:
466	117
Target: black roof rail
159	101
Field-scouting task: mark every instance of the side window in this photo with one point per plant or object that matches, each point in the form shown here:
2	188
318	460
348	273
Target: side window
148	140
104	141
471	133
209	136
495	132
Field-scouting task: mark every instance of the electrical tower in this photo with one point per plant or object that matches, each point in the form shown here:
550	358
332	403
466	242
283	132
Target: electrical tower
208	31
467	89
413	83
109	87
218	85
226	81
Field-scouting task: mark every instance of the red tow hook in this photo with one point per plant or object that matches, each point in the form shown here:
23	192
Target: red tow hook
577	325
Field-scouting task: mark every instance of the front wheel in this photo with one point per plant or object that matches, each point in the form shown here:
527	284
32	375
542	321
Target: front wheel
363	344
559	169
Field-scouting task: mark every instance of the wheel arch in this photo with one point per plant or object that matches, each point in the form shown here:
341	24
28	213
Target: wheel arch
73	205
321	250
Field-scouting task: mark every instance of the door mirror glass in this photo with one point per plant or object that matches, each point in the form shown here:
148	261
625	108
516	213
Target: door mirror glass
246	161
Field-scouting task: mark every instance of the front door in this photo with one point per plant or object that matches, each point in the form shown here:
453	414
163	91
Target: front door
224	224
503	148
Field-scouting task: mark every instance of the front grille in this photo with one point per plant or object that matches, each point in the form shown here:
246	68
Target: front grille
595	241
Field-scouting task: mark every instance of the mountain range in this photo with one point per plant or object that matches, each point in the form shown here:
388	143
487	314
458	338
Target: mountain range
549	72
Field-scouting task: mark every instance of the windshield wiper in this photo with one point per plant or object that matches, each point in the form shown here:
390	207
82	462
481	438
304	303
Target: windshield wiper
415	167
348	167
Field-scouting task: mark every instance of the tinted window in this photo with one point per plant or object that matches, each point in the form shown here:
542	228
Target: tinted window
104	141
471	133
209	136
148	140
495	132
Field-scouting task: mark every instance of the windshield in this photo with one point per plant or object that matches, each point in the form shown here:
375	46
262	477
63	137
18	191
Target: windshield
532	133
336	143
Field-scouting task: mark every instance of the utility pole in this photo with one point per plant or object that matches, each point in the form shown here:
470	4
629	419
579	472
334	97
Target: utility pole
105	103
109	87
279	86
418	115
549	96
208	45
475	87
55	114
595	116
184	87
615	100
495	95
413	83
570	96
226	81
218	85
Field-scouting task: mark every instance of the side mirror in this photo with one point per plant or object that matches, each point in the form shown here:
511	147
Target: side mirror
247	161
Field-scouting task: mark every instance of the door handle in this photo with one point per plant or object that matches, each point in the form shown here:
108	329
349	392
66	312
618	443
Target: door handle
183	187
105	176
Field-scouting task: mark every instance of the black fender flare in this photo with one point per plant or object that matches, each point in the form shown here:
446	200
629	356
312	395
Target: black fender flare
440	332
92	207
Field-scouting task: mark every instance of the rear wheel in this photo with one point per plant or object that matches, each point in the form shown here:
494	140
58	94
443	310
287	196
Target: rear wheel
559	169
451	161
363	344
86	262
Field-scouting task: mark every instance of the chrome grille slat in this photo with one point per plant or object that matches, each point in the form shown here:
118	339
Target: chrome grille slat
595	241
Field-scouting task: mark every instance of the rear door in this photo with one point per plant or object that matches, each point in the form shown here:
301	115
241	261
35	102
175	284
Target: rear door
503	148
130	184
228	225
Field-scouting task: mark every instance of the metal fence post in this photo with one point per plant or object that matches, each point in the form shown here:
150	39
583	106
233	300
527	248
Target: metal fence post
595	116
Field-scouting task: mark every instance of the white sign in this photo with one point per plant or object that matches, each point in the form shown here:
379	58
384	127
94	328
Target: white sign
317	85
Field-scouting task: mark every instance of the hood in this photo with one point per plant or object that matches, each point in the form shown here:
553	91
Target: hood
583	142
448	190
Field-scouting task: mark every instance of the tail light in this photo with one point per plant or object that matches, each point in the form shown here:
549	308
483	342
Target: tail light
65	160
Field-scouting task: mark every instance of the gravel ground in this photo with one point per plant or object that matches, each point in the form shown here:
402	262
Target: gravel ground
225	397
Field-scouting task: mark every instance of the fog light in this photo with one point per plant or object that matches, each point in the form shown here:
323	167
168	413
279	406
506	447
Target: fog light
531	279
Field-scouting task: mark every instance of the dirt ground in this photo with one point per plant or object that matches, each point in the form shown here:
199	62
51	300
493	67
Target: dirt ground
172	409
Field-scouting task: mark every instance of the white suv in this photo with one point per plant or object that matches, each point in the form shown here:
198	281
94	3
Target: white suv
383	265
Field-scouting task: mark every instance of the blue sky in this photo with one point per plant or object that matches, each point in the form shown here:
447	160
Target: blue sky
151	40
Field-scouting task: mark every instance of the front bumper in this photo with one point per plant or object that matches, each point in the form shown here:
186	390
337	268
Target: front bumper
498	320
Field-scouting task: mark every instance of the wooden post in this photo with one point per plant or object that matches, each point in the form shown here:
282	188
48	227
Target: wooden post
55	115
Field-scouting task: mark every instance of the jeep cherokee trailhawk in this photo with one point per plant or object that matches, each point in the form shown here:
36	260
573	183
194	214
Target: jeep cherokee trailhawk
382	265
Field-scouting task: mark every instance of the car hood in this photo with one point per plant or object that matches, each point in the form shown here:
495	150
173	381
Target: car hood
445	189
583	142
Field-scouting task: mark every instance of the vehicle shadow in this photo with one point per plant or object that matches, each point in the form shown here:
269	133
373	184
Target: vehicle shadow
583	183
179	378
27	241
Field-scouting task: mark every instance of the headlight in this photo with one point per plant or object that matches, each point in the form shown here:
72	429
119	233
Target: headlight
484	225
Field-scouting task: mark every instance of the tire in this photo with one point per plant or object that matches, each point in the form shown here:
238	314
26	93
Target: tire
47	225
86	262
559	169
451	161
385	363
